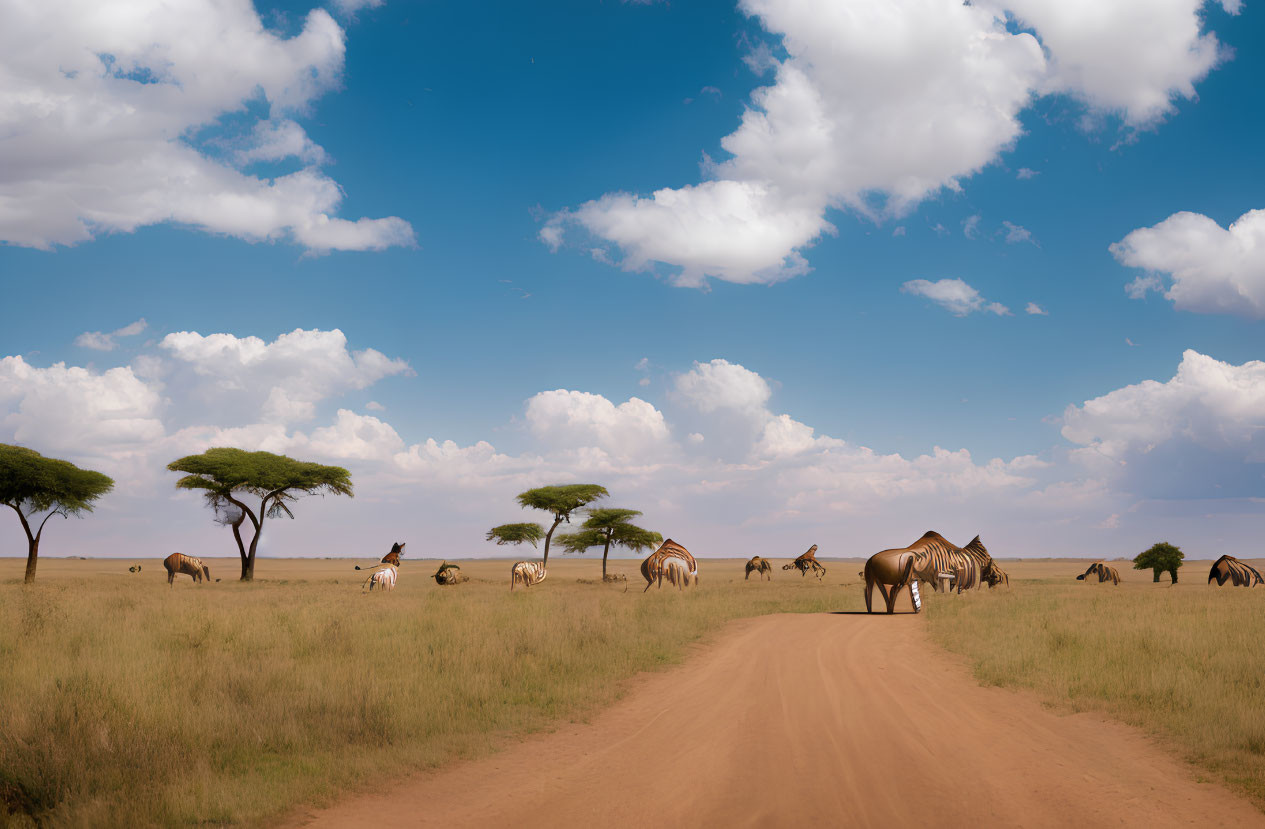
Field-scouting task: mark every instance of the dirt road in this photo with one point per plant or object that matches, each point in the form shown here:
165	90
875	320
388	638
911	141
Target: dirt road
821	720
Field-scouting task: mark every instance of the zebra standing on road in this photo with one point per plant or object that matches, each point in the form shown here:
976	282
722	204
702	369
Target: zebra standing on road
1229	568
654	566
181	563
527	572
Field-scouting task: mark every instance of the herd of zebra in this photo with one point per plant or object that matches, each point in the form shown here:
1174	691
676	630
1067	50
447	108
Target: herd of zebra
931	559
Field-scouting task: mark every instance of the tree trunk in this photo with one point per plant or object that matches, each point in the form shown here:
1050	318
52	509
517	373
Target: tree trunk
247	574
1157	575
605	551
548	536
1173	573
32	557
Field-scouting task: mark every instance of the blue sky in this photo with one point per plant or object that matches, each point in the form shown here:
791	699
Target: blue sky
469	192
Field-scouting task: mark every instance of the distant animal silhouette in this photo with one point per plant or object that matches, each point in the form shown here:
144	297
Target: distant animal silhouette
806	563
1229	568
393	557
383	579
652	568
1102	571
527	573
135	568
181	563
759	566
449	574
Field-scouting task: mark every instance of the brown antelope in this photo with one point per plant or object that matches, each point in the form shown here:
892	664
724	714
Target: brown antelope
181	563
759	566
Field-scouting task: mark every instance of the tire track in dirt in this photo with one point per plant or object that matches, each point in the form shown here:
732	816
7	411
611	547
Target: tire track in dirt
813	720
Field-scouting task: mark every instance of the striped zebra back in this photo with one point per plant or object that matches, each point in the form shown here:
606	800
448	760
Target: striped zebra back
653	567
1239	574
528	572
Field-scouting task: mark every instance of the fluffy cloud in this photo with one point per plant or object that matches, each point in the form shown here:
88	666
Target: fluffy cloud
954	295
565	419
281	381
878	106
1213	269
1200	434
104	107
1034	309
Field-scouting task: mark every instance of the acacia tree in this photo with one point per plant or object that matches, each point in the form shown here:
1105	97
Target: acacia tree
1160	557
516	534
228	476
561	501
31	483
607	526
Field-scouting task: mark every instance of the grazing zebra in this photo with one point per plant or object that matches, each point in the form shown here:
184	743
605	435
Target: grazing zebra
449	574
393	557
383	579
934	555
181	563
761	567
135	568
654	566
1102	571
807	563
1229	568
527	572
891	570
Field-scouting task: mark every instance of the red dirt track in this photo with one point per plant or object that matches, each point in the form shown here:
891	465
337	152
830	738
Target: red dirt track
813	720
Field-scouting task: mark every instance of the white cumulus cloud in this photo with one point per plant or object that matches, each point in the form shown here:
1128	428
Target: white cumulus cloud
102	106
955	296
1213	269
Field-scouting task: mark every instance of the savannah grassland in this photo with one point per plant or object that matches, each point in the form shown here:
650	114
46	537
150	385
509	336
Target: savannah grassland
1186	663
126	703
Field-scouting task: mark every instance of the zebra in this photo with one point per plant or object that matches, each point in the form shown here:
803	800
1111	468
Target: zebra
393	557
1102	571
806	563
674	570
935	554
382	579
449	574
654	567
761	567
527	572
1229	568
181	563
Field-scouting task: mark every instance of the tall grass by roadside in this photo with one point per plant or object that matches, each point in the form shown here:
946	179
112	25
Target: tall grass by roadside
126	703
1186	663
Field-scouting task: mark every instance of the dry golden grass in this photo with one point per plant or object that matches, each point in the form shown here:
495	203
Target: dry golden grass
127	703
1185	663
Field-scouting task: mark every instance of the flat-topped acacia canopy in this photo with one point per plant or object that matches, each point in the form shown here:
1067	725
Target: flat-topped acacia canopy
224	473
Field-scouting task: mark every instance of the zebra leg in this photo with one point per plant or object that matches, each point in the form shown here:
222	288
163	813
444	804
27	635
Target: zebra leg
891	598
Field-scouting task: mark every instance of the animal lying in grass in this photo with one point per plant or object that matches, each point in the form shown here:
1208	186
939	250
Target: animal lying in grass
759	566
135	568
807	563
1102	571
449	574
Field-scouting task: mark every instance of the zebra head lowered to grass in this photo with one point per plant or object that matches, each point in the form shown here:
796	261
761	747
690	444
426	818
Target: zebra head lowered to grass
181	563
527	573
654	567
807	563
1102	571
934	556
1229	568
